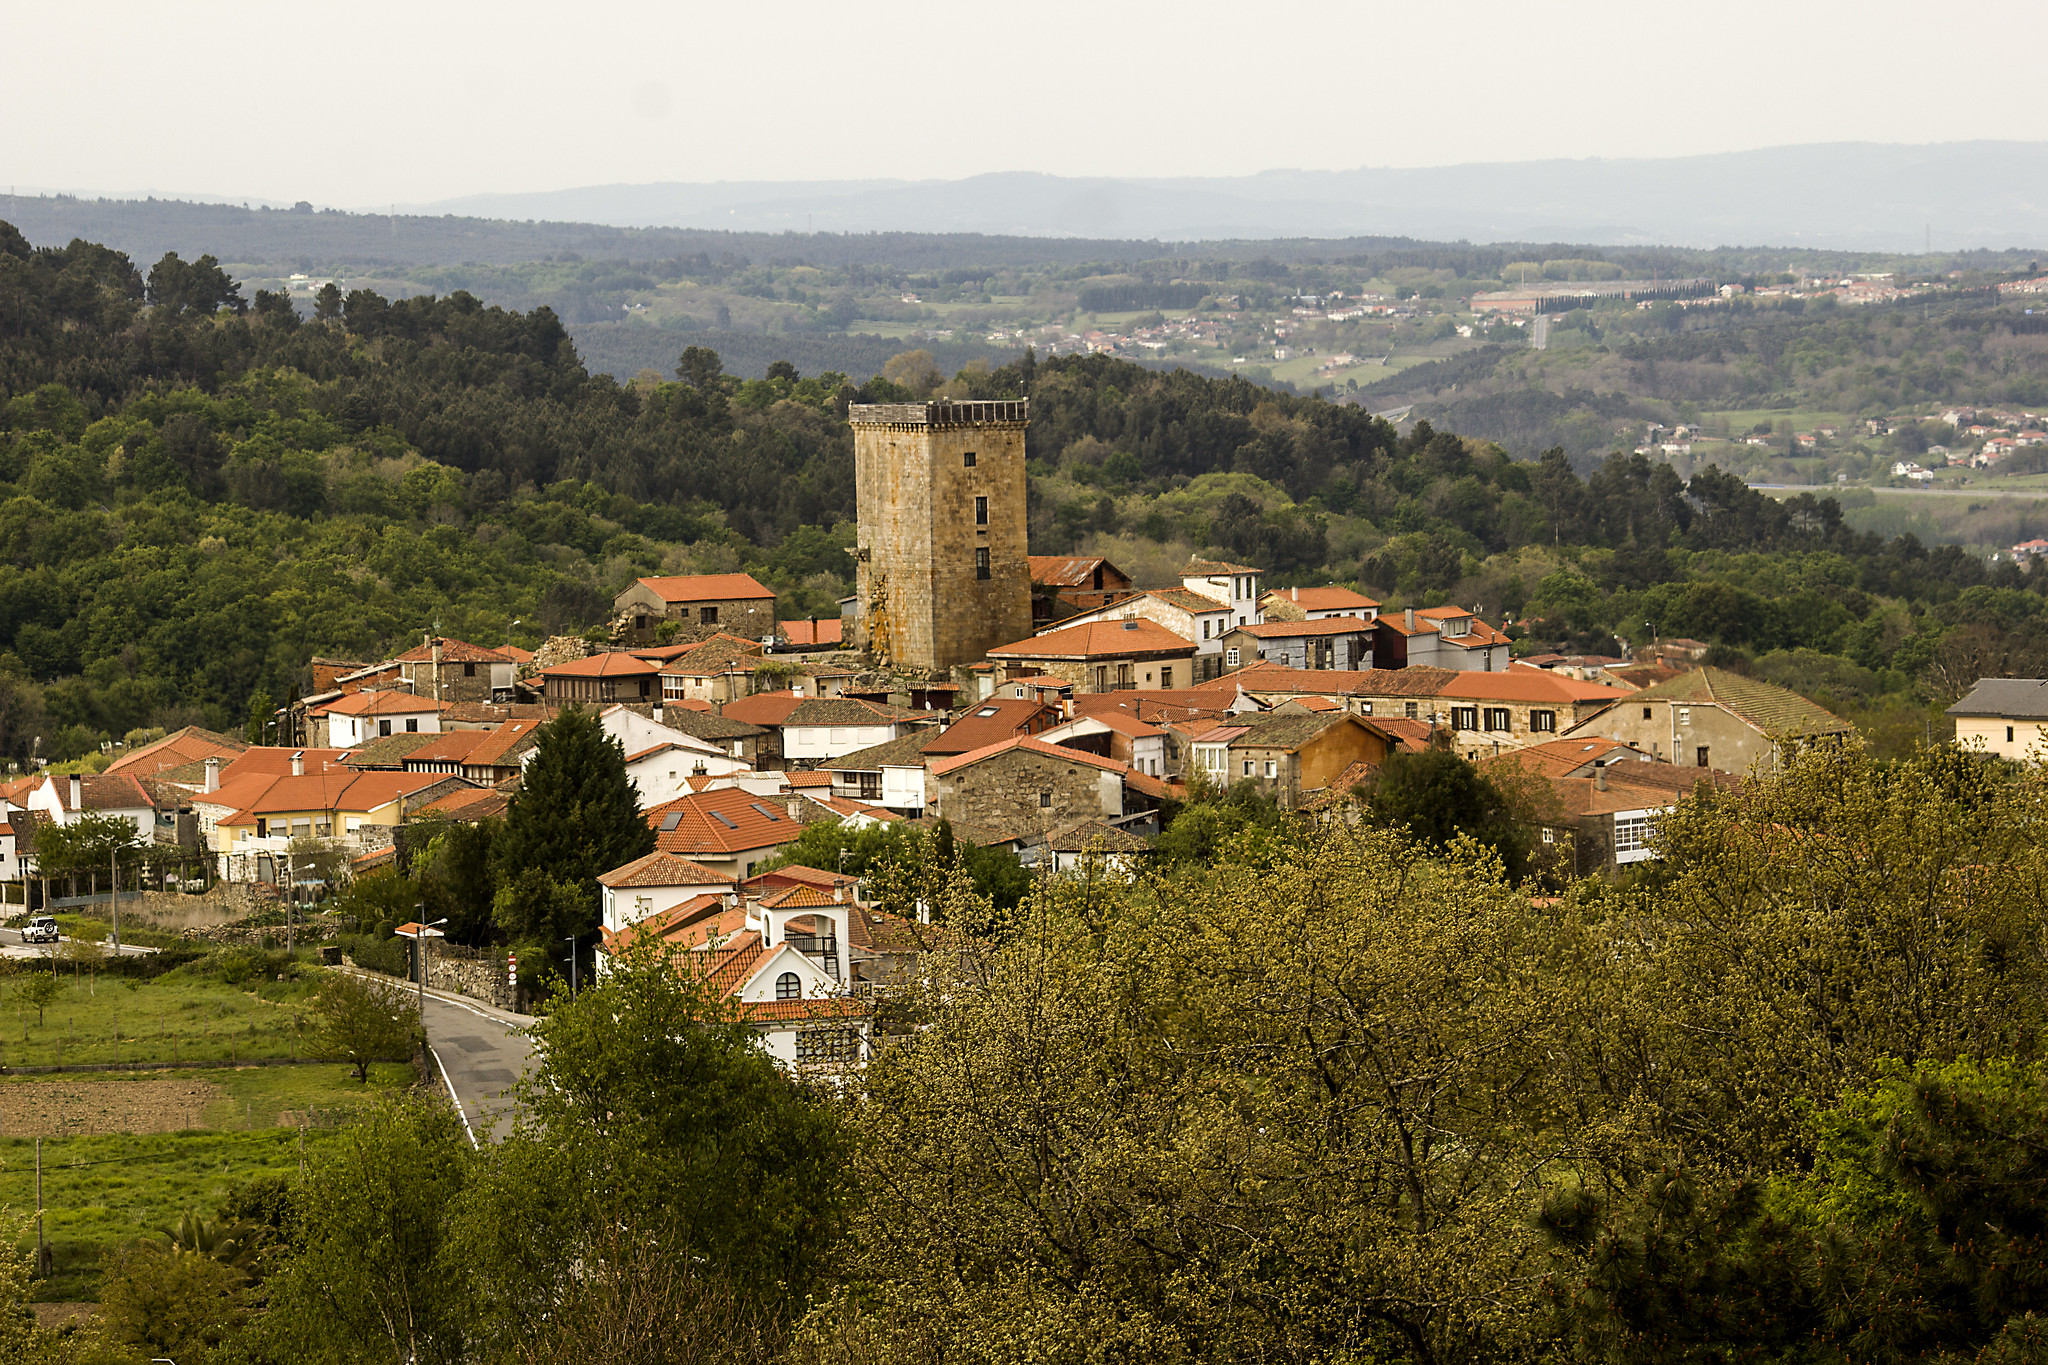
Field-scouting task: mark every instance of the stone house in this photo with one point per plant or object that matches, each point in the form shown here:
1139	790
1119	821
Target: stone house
1291	756
991	722
699	606
455	670
1114	734
1200	620
1439	637
360	717
1316	604
1711	718
608	677
717	669
1340	642
1236	586
1026	785
1102	656
1079	582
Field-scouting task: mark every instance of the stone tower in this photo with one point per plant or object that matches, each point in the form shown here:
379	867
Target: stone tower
941	567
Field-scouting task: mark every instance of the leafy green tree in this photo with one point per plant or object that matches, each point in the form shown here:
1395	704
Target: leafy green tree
38	991
363	1021
654	1111
373	1274
576	815
327	303
1204	826
699	367
995	874
1437	797
89	843
171	1301
532	907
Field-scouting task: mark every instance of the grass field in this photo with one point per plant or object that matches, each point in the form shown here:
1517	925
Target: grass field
182	1015
108	1188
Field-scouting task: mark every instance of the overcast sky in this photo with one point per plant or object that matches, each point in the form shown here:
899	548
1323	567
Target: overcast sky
374	102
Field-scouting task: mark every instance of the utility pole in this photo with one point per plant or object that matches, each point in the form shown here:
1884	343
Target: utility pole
571	941
114	893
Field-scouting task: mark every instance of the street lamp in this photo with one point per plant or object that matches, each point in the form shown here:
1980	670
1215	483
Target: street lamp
420	933
571	941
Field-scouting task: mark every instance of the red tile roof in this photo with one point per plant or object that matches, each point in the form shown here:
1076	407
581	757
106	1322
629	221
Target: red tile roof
796	874
712	587
1069	571
1036	746
810	779
469	805
611	664
454	652
763	708
189	745
813	634
992	722
103	791
728	820
663	869
1331	598
380	703
1098	640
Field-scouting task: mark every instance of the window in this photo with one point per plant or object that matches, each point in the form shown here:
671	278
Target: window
870	786
1230	657
1631	837
1549	835
262	828
707	616
1409	711
1702	753
1685	715
1464	718
1247	767
469	670
353	823
1206	623
981	511
383	727
1272	768
2008	734
412	725
1499	718
789	986
1045	800
302	827
1166	677
981	563
967	459
826	1045
1646	713
1365	708
1543	722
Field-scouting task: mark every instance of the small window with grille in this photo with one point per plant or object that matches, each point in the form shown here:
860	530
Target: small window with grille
981	564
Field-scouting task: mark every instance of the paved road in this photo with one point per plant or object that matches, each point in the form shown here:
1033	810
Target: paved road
12	944
482	1054
2035	493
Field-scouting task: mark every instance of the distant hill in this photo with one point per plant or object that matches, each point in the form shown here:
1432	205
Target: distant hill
1854	195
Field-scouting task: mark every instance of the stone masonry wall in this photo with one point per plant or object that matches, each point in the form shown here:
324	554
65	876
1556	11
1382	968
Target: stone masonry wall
924	606
1004	793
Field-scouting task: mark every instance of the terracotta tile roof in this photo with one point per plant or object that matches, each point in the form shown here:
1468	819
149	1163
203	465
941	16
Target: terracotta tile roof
1413	734
1041	681
845	809
796	874
775	1011
705	724
1036	746
1523	684
1068	571
1209	567
453	652
1123	722
849	711
793	897
189	745
1776	711
712	587
1157	788
470	806
727	820
766	709
1422	681
103	791
1329	598
1288	630
1098	640
663	869
810	779
1157	706
612	664
334	791
1316	703
381	703
688	925
990	722
277	761
371	862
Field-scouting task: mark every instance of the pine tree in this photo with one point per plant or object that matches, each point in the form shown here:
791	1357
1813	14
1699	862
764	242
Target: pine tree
576	814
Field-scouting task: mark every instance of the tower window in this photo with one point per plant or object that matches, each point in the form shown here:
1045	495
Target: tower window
981	511
967	459
981	563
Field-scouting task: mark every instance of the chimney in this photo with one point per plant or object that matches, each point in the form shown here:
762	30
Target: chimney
796	808
77	801
299	763
1599	778
1066	708
1295	593
1411	618
212	775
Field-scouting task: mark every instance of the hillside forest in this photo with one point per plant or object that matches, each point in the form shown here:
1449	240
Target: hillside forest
202	488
